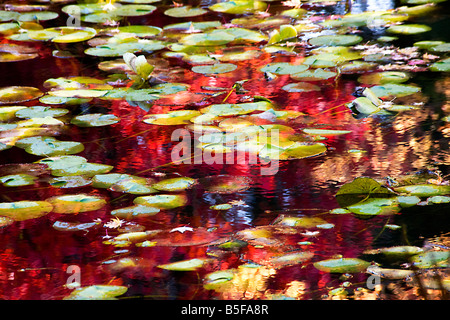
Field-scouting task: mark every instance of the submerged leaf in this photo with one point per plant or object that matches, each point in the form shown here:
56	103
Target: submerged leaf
343	265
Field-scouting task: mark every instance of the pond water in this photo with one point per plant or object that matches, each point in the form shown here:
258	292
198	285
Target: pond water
35	254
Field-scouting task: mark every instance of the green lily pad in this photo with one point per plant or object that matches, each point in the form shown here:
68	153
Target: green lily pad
282	68
289	259
141	30
228	109
40	112
107	180
424	190
240	56
63	34
49	146
8	113
375	206
222	206
427	44
162	201
388	273
94	120
25	210
438	199
174	184
133	10
363	105
8	15
185	11
393	89
215	68
97	292
85	9
408	201
325	132
441	66
118	50
134	185
85	169
69	182
17	180
207	39
49	99
177	117
364	186
335	40
302	222
217	279
296	151
17	94
62	162
185	265
238	6
201	25
37	16
136	211
77	203
444	47
300	87
384	77
316	75
432	259
408	29
343	265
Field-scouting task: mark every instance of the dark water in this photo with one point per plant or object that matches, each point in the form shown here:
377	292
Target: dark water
34	257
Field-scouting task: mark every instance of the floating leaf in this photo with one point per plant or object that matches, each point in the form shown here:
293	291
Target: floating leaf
216	279
432	259
392	274
424	190
185	265
207	39
284	68
16	94
289	259
84	168
37	16
63	34
316	75
162	201
97	292
343	265
40	112
134	185
76	203
325	132
408	29
302	222
136	211
17	180
201	25
239	6
215	68
49	146
177	117
384	77
24	210
296	151
94	120
109	179
185	11
74	226
62	162
375	206
174	184
335	40
69	182
133	10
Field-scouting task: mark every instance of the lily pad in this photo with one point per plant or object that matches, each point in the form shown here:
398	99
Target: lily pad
74	226
133	10
424	190
185	11
62	162
432	259
94	120
142	31
17	94
282	68
118	50
177	117
302	222
136	211
185	265
77	203
316	75
40	112
69	182
25	210
289	259
49	146
325	132
441	66
37	16
375	206
97	292
217	279
393	89
162	201
296	151
343	265
229	109
174	184
17	180
63	34
238	6
134	185
335	40
384	77
408	29
207	39
85	169
215	68
201	25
